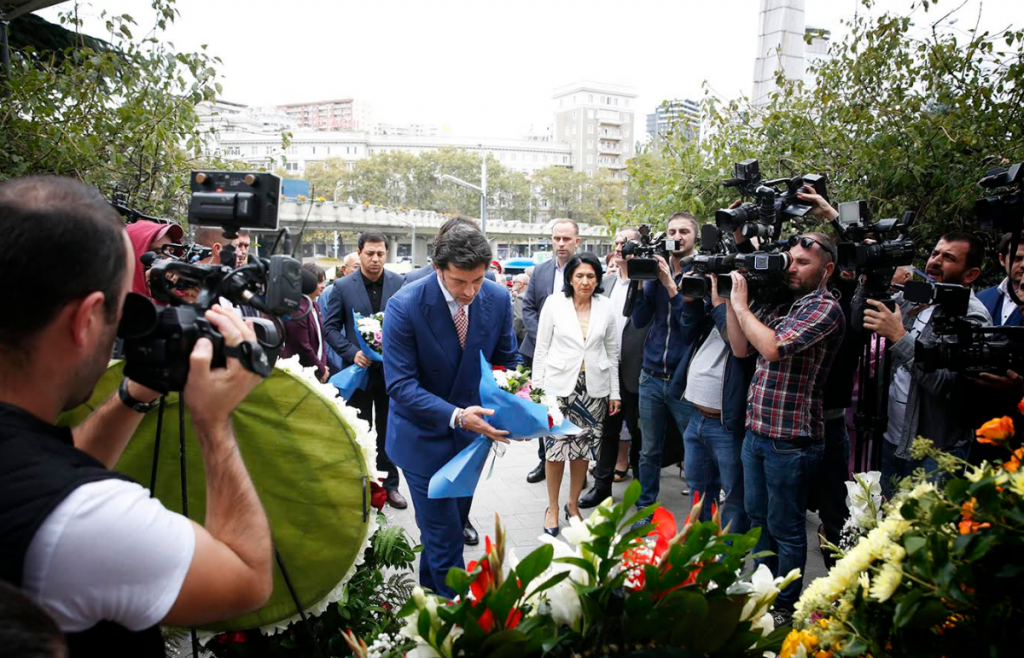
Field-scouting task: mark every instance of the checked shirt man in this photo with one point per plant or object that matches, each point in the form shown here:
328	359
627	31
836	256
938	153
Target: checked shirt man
795	344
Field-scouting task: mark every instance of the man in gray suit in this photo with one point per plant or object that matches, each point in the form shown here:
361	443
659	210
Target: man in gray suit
366	291
616	285
547	278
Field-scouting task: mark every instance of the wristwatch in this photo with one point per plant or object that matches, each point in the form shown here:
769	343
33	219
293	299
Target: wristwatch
132	403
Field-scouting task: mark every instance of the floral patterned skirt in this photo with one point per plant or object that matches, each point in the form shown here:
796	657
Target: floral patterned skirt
585	412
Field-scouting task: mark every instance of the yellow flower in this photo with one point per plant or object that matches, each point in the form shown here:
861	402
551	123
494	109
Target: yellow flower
1017	483
886	582
995	431
799	644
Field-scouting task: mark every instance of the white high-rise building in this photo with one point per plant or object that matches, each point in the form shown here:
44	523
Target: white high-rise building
596	120
783	46
681	112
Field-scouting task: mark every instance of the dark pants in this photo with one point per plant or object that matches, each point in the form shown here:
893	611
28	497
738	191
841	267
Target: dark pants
608	449
776	480
828	489
440	522
528	362
714	464
895	468
376	397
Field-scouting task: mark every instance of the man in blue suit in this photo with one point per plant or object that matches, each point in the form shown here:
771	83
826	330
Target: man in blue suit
436	329
997	300
366	291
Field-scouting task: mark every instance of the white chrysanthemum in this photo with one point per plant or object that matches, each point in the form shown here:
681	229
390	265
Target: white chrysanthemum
501	378
886	582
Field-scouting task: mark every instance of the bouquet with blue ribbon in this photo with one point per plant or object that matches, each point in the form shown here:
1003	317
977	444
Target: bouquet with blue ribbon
356	377
517	413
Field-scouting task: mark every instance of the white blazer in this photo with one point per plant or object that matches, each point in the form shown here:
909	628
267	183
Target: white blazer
560	349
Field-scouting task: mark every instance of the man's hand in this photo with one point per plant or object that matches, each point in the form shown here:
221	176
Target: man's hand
213	393
819	206
882	321
716	301
1012	382
614	406
665	277
361	360
474	423
739	295
324	376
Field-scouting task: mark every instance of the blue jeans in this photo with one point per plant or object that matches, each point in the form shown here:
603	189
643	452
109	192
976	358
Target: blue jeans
777	477
896	468
714	463
655	407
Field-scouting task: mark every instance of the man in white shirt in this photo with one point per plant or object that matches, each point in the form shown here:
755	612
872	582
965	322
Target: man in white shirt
89	546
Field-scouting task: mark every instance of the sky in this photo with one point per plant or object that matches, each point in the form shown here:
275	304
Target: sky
488	68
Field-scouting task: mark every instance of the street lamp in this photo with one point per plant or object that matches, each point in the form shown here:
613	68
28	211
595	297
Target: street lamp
479	189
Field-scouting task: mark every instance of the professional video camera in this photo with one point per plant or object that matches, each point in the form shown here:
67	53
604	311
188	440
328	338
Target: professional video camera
1003	211
765	272
974	349
775	201
159	339
642	266
877	261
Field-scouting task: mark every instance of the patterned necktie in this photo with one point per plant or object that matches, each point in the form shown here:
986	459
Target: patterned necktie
462	325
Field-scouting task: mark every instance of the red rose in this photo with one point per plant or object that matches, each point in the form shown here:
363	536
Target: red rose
501	368
551	422
378	496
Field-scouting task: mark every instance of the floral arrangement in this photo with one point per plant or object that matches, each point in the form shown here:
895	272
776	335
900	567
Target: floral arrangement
615	591
864	500
518	383
370	327
939	573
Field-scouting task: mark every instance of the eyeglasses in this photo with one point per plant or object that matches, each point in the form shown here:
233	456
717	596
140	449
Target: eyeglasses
807	241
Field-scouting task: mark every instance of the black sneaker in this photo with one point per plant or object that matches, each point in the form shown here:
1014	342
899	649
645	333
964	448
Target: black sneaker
782	617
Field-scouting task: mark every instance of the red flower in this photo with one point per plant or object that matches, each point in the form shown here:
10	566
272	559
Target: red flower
230	638
501	368
551	422
378	496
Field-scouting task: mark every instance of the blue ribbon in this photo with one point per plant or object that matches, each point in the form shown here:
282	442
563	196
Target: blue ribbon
355	377
523	419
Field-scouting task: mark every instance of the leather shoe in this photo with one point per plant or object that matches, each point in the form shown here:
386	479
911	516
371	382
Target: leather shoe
537	474
593	498
397	500
469	535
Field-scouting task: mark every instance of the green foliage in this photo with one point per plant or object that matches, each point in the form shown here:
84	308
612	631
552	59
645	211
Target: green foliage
118	114
379	588
904	116
399	179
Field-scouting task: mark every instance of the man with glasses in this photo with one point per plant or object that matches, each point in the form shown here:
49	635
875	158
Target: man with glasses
795	344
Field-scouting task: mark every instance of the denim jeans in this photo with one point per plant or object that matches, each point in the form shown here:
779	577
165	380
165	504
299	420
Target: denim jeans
895	468
828	489
656	405
777	477
714	463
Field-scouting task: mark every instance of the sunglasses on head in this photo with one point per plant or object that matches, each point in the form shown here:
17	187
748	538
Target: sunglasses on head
807	242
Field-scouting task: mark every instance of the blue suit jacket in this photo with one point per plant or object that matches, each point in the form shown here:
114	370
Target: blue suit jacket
350	295
537	292
993	301
428	374
334	362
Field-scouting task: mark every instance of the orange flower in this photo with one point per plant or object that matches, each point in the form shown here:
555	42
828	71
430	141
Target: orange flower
996	431
1015	460
968	525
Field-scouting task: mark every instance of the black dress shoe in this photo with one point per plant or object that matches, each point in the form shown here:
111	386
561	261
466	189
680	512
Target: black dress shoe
537	474
550	531
593	498
397	500
469	535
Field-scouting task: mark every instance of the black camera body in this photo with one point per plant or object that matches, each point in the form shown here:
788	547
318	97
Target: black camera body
764	271
158	340
642	265
1003	211
775	201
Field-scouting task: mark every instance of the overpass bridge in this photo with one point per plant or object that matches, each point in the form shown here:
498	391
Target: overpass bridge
412	232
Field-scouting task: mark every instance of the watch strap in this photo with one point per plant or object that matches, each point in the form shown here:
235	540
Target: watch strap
132	403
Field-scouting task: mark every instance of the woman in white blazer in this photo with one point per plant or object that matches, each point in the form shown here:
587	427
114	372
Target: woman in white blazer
577	359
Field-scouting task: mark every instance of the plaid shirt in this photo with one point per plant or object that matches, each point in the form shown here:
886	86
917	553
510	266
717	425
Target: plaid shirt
785	398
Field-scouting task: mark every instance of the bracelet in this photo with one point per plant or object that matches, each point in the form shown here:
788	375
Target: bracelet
132	403
460	419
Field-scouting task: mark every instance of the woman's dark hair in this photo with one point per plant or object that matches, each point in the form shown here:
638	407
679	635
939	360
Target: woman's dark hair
46	220
582	258
315	270
464	247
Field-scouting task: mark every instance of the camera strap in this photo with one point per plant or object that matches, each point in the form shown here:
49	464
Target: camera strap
252	356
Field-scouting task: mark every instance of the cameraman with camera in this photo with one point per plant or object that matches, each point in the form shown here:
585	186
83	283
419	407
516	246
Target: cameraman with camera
919	401
795	343
91	547
666	354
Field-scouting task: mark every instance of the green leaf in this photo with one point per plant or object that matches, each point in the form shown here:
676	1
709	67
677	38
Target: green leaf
586	565
534	564
459	580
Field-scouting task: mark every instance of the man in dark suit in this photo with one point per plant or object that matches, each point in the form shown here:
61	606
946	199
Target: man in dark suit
997	300
546	280
366	291
616	286
435	332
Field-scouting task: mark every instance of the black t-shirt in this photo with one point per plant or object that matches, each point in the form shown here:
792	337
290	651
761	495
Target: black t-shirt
375	291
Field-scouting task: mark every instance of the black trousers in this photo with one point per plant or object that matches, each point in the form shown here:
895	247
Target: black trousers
828	489
528	362
608	448
375	397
